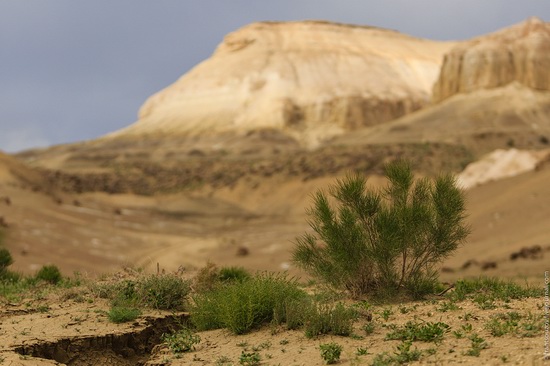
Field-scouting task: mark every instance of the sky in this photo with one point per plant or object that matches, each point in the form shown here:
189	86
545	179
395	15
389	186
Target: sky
75	70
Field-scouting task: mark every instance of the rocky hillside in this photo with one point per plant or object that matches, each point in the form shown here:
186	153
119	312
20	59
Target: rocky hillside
519	53
310	79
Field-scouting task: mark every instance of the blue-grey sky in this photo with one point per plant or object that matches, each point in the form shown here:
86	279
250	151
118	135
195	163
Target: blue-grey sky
75	70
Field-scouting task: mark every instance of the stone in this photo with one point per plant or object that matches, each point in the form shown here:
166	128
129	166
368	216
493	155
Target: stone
519	53
310	79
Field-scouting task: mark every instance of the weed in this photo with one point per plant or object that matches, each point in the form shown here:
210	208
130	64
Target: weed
5	259
165	292
223	361
492	289
329	319
368	328
242	306
283	342
250	359
120	314
477	345
402	355
181	341
448	306
330	352
49	273
361	351
427	332
386	313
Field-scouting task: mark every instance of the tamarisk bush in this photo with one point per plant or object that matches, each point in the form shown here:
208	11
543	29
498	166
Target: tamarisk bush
386	241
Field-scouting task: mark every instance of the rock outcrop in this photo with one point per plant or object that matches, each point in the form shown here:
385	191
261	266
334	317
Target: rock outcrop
310	79
519	53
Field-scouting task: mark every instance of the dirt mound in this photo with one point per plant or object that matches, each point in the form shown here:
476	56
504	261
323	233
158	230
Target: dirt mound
501	164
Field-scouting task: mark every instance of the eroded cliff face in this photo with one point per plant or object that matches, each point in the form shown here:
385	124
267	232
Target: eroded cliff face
311	80
519	53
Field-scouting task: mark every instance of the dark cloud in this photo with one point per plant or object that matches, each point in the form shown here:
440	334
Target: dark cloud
76	70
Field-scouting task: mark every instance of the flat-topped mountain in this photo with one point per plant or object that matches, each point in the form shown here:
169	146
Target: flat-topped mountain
310	79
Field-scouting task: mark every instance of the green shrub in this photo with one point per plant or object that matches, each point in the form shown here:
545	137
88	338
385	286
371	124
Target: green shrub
329	319
485	290
122	314
376	242
426	332
228	274
181	341
242	306
164	292
250	358
49	273
5	259
210	277
330	352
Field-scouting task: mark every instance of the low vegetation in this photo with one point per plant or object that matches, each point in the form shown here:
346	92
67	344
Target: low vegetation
370	247
386	242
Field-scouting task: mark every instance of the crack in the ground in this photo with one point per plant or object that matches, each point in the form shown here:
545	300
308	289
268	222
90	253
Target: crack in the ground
131	348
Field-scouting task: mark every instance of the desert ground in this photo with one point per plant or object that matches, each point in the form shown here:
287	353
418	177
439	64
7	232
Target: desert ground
175	191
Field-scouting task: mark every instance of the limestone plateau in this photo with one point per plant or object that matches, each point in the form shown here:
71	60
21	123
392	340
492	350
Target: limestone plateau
310	79
313	80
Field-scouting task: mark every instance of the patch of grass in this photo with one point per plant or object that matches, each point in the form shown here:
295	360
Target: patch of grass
486	289
386	313
330	319
477	345
250	358
223	361
402	355
242	306
369	328
448	306
164	292
50	274
184	340
330	352
426	332
121	314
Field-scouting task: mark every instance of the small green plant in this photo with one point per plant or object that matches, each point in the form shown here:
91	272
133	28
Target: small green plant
242	306
486	290
223	361
330	352
426	332
380	242
184	340
228	274
477	345
164	292
361	351
448	306
386	313
5	259
329	319
402	355
121	314
250	358
368	328
49	273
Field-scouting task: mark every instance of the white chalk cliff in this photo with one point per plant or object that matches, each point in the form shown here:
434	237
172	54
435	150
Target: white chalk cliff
520	53
311	80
